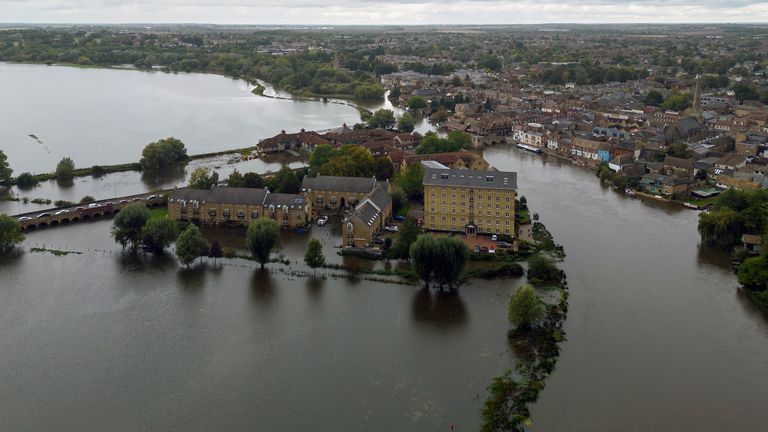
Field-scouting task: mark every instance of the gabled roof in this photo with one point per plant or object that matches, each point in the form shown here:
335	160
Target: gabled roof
221	195
340	184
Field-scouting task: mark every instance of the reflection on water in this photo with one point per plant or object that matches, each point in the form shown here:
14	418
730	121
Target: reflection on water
440	308
160	179
315	287
262	286
192	279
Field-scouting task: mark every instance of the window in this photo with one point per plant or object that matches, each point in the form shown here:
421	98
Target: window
489	179
254	214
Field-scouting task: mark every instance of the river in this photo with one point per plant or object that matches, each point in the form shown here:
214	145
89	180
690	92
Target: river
659	338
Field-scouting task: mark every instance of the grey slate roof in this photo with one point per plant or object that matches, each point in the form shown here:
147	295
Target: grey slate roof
281	199
221	194
503	180
340	184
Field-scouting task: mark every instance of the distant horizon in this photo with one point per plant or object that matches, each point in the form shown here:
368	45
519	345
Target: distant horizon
221	24
379	13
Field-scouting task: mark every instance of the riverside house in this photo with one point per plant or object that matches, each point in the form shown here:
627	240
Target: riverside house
237	206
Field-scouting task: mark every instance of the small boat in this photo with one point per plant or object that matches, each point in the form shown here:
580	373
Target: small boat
691	206
629	192
529	148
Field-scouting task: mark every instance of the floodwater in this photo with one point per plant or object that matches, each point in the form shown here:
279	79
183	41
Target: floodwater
101	342
107	116
659	338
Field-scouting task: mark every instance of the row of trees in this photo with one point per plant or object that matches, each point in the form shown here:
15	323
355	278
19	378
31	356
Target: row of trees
438	259
734	213
454	141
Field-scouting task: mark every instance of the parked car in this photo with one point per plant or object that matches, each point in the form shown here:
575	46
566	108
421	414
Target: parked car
378	241
42	215
399	218
151	197
419	221
123	201
477	248
24	218
61	212
491	249
494	237
94	205
484	250
504	245
392	228
138	199
322	220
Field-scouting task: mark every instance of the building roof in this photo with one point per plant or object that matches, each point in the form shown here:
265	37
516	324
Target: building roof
676	162
284	200
222	195
340	184
471	178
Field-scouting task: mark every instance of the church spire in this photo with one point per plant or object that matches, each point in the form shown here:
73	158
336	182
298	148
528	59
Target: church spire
696	109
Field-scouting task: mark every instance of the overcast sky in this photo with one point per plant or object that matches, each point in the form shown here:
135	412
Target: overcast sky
381	12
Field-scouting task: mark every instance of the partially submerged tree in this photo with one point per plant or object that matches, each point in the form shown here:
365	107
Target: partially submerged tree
203	178
314	257
158	234
65	169
128	226
5	169
190	245
10	234
261	238
526	310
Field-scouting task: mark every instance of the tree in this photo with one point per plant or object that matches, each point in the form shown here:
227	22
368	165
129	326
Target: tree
383	118
158	234
5	169
129	224
215	251
753	273
653	98
416	103
320	156
261	238
253	180
440	116
526	310
406	123
384	169
422	255
65	170
236	179
87	199
452	255
203	178
25	180
350	161
190	245
314	257
411	181
677	101
10	233
542	270
162	154
285	181
409	232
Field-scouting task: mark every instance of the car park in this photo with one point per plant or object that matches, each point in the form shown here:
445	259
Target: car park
322	220
392	228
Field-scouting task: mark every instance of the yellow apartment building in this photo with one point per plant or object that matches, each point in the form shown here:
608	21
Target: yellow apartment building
470	201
